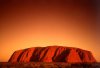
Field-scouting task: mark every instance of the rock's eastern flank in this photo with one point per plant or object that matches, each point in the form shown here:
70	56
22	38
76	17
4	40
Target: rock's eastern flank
52	54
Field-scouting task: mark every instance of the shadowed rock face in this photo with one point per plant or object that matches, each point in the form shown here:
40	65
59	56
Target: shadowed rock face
52	54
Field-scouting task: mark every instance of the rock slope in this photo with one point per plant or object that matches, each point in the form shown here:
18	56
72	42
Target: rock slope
52	54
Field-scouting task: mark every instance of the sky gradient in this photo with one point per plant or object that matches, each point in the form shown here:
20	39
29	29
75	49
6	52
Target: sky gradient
32	23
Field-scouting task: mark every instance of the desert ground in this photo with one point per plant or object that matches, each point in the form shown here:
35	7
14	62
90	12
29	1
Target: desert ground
48	65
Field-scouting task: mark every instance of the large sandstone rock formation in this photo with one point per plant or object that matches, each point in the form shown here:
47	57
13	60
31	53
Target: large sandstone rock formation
52	54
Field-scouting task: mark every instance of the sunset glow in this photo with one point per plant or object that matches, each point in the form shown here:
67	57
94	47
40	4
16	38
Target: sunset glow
43	23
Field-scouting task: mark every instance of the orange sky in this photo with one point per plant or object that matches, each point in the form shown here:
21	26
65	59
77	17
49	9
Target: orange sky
44	23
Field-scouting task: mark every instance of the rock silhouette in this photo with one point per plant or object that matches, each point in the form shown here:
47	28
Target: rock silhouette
53	54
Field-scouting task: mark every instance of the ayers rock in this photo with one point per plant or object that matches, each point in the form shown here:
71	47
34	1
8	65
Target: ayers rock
52	54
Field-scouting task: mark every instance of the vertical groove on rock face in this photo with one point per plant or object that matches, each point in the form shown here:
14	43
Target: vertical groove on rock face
89	55
62	53
80	53
38	53
31	55
20	56
34	56
86	59
53	58
26	55
49	54
43	53
73	57
91	58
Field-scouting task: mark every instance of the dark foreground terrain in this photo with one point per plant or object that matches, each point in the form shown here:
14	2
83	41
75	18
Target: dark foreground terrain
48	65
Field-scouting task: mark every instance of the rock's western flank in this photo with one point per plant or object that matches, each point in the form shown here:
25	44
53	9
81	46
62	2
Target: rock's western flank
52	54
